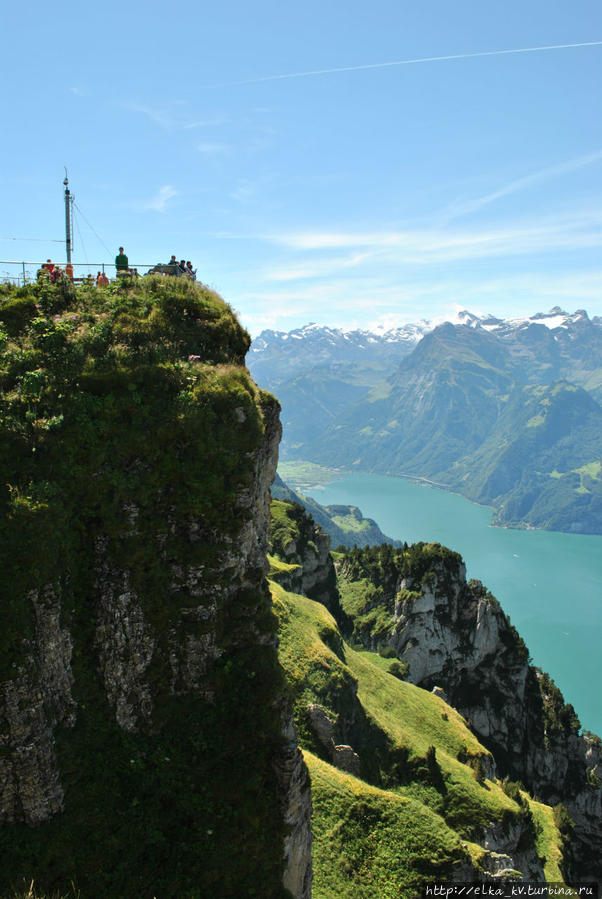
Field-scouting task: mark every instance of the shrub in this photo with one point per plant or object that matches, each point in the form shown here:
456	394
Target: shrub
399	669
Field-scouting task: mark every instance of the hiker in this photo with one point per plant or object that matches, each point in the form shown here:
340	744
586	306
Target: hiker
48	266
182	270
121	263
101	279
190	270
173	266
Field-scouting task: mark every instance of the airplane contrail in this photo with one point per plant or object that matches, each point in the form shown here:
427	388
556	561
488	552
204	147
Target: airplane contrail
421	59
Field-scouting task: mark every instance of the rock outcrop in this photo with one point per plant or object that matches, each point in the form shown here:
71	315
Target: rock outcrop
342	756
33	703
305	549
455	636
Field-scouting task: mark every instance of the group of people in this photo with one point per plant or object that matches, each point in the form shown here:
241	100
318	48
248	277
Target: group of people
122	266
55	272
182	268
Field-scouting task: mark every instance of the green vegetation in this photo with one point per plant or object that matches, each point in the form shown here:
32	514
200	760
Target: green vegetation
302	475
346	518
419	762
373	842
369	579
285	521
128	424
549	840
420	564
369	586
30	892
591	470
345	525
559	717
278	567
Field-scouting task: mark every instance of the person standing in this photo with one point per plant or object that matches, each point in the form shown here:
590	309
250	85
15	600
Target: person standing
121	263
49	267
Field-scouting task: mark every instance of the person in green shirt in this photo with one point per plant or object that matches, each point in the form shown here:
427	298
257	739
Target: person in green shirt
121	263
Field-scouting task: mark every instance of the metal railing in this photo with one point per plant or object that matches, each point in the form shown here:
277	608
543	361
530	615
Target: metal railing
26	272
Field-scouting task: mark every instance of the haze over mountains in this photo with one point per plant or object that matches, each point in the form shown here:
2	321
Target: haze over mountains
506	412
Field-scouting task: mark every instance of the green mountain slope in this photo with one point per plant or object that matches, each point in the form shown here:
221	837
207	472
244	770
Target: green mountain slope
541	463
462	412
420	801
345	525
404	621
416	606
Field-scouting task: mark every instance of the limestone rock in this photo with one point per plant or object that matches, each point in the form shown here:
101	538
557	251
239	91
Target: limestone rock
32	705
505	852
314	573
322	726
346	759
440	692
294	778
456	638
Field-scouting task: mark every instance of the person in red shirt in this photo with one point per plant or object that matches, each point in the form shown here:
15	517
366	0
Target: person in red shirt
49	267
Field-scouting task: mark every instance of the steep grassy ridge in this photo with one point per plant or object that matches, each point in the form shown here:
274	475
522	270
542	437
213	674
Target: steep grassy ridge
373	842
424	765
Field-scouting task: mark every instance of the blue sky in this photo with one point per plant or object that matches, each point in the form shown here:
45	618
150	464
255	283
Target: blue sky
375	194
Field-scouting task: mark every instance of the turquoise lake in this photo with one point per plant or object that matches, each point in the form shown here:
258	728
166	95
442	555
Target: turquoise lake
550	584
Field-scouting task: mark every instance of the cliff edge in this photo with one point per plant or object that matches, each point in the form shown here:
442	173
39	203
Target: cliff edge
146	746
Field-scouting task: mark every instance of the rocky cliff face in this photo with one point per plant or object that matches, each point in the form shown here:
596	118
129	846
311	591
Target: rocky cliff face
146	745
33	703
454	635
305	549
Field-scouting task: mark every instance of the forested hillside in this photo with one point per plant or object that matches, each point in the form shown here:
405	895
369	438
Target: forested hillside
505	413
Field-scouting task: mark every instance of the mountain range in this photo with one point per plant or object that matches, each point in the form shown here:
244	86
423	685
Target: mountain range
505	412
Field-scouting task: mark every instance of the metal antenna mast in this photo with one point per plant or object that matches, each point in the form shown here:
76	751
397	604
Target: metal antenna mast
68	217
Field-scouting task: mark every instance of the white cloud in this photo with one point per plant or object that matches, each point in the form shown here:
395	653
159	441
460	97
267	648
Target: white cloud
317	268
211	147
162	197
414	61
159	115
425	247
523	183
245	191
207	123
173	115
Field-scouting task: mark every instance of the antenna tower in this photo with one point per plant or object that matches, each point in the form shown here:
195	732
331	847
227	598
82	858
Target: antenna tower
68	218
